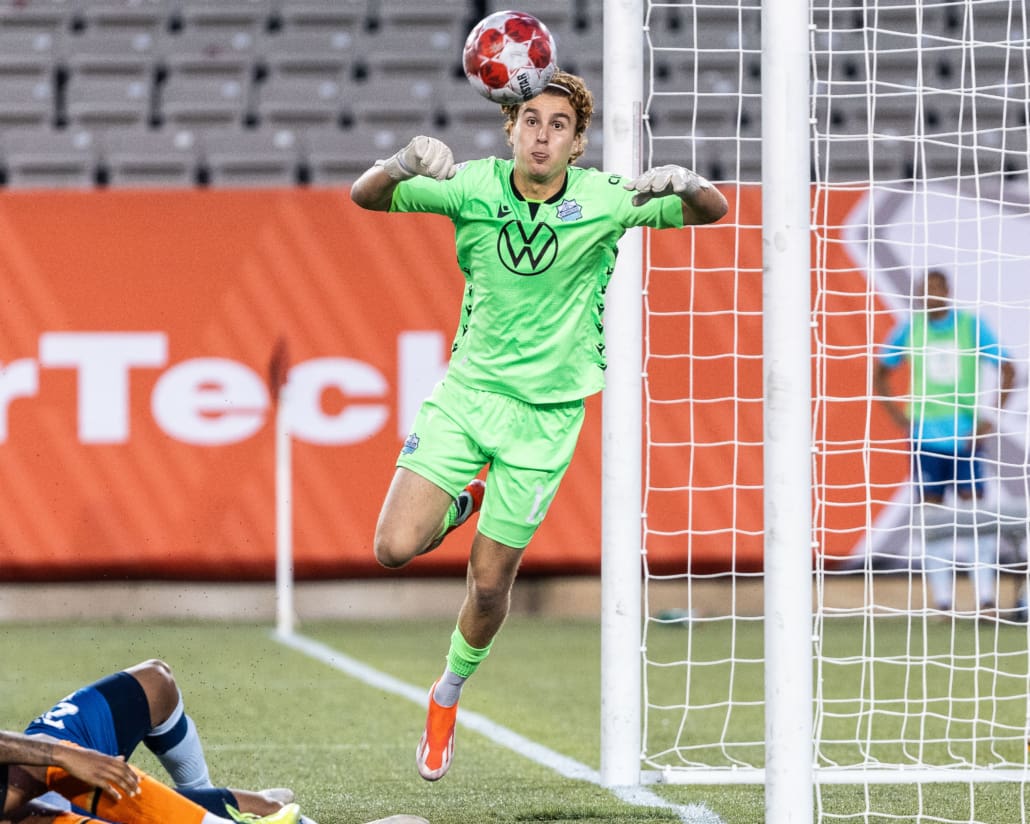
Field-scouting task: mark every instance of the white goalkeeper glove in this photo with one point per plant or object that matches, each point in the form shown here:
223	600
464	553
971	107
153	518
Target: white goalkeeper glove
425	156
662	181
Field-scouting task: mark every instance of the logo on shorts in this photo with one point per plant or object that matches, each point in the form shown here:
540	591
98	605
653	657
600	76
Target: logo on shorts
410	444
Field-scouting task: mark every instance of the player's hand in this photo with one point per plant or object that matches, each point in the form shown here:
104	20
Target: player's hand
112	775
424	156
663	181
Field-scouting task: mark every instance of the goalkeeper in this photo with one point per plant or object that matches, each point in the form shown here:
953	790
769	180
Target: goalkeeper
536	241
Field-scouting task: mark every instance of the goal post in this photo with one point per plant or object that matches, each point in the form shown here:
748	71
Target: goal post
622	428
787	392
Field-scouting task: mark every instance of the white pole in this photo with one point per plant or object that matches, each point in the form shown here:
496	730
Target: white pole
786	309
622	426
284	618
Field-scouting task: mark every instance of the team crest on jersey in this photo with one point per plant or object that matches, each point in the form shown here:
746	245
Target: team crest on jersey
569	210
410	444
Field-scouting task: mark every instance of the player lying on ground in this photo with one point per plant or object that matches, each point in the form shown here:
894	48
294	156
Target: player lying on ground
101	787
143	704
536	241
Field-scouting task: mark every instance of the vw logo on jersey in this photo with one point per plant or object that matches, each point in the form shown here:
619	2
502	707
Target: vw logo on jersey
527	248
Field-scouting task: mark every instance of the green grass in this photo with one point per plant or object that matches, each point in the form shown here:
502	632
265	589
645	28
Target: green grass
270	716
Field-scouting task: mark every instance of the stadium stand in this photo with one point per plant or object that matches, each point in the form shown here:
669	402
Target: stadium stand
365	74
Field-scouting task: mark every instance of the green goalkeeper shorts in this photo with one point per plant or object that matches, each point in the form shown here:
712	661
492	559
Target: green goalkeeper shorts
459	430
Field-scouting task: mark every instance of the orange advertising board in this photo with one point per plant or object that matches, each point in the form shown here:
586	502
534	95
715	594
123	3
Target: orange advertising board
136	426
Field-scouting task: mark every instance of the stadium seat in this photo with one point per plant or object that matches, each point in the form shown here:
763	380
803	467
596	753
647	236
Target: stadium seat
236	15
100	101
45	158
463	107
27	101
331	51
334	156
124	51
322	14
252	157
468	143
141	157
429	52
36	15
289	100
185	99
211	51
136	15
395	100
419	15
27	53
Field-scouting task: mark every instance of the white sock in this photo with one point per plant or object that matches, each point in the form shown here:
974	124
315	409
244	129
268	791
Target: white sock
985	574
177	746
939	567
448	689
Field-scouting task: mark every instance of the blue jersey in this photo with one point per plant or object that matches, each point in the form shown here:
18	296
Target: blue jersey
85	717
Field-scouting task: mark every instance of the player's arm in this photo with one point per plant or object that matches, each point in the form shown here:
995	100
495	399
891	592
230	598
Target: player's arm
112	775
702	202
1008	381
425	156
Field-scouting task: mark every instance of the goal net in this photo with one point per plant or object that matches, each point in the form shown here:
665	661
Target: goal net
918	116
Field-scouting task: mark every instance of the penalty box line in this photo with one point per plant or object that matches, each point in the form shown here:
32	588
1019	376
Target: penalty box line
534	751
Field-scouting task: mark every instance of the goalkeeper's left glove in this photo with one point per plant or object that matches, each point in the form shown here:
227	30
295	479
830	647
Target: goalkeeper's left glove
662	181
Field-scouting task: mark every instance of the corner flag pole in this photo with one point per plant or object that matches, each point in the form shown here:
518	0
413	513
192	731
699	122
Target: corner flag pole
278	372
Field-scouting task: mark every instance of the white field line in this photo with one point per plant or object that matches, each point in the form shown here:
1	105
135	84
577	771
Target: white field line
538	753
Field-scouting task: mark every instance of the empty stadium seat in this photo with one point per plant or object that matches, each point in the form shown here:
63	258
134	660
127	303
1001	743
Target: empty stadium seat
110	51
393	100
212	51
298	101
334	156
237	15
27	101
24	52
102	101
187	99
324	51
417	15
429	52
252	157
321	14
46	158
111	15
142	157
38	15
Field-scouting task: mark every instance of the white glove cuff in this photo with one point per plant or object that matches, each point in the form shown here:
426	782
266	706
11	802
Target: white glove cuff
395	167
694	183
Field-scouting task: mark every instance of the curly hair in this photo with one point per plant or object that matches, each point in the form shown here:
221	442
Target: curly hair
580	98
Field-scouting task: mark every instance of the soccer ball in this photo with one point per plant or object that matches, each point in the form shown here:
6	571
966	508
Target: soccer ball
509	57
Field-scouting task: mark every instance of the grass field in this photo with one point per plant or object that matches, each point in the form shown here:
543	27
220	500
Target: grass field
271	716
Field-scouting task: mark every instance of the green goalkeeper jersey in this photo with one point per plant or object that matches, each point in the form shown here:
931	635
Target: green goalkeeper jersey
535	274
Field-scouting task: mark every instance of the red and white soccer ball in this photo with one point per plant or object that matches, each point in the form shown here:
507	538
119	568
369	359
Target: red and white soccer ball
509	57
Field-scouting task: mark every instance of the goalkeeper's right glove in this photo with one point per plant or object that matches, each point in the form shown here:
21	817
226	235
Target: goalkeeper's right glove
424	156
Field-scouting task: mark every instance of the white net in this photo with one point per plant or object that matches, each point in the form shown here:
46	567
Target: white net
919	115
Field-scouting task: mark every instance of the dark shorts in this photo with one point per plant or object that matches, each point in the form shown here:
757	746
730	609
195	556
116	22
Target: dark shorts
110	715
935	473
